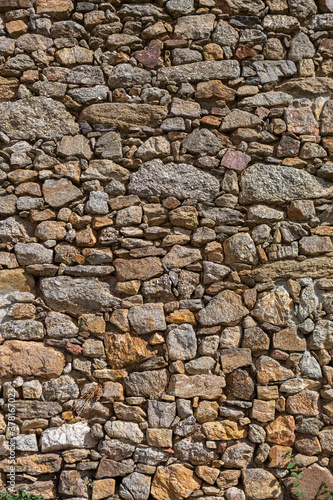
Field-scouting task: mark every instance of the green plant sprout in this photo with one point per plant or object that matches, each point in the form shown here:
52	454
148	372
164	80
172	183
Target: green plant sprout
89	482
324	491
20	495
295	472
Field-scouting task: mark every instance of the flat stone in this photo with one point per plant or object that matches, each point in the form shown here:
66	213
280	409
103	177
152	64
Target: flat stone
180	257
179	180
22	330
223	431
304	403
38	409
67	436
59	325
161	414
36	118
85	75
270	370
238	118
71	483
278	184
138	269
126	75
125	115
289	340
58	193
30	358
199	71
204	386
226	308
235	160
33	253
34	464
77	295
124	430
234	358
149	384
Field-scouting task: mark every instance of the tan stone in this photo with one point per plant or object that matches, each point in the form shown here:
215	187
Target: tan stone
278	456
260	484
204	386
92	323
303	403
17	279
289	340
263	411
34	464
138	269
181	316
214	89
184	216
174	482
85	238
270	370
208	474
281	430
223	431
128	287
125	115
113	391
320	267
234	358
58	193
206	411
51	230
18	358
103	488
124	350
16	28
159	438
58	9
8	89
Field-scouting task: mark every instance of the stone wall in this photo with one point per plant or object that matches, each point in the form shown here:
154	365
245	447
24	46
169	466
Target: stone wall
166	304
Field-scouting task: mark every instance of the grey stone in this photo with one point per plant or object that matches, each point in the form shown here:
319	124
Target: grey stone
33	253
150	456
238	456
268	99
136	486
200	71
272	184
302	9
97	203
202	365
154	147
8	204
214	272
147	318
194	27
179	8
108	146
226	308
179	180
185	56
116	449
61	389
86	75
309	366
71	483
257	434
36	118
92	95
271	71
240	248
301	48
238	118
59	325
150	384
22	330
202	141
222	216
182	343
67	436
322	336
124	430
126	75
37	409
225	35
77	295
161	414
25	443
105	170
13	228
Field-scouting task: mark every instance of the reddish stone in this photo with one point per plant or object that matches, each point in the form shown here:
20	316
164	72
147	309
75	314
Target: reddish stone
171	203
328	145
150	56
326	47
280	355
235	160
243	52
175	44
288	146
74	349
301	121
211	121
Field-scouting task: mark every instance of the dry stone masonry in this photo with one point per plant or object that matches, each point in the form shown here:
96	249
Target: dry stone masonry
166	247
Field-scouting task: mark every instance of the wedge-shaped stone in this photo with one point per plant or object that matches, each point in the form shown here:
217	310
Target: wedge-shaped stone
199	72
203	386
77	295
270	370
36	118
180	180
174	482
272	184
125	350
125	115
223	431
226	308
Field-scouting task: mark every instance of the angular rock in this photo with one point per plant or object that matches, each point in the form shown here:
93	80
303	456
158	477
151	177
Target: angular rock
278	184
234	358
181	343
270	370
226	308
179	180
223	431
203	386
124	350
77	295
66	437
33	253
58	193
138	269
125	115
194	27
275	307
174	482
22	330
149	384
181	256
147	318
136	486
30	358
260	484
36	117
34	464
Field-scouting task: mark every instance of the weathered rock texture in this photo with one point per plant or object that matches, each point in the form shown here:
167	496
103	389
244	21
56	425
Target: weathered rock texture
166	247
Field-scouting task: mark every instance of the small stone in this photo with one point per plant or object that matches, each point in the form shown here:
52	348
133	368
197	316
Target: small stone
174	481
235	160
238	455
204	386
226	430
226	308
181	343
150	384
